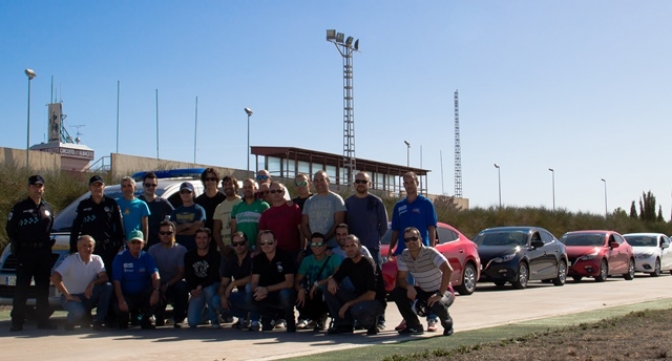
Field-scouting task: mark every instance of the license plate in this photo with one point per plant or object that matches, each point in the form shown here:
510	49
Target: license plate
10	280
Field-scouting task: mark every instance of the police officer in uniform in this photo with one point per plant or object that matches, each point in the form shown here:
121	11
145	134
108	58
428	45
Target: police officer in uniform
99	217
28	226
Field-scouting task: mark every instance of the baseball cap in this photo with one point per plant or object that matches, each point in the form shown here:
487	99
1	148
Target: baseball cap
96	179
188	186
137	234
36	179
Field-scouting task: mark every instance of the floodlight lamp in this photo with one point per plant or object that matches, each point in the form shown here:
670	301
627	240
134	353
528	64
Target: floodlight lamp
30	73
348	42
248	111
357	44
340	37
407	143
331	34
496	165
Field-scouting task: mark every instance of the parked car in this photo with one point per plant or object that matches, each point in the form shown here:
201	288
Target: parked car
458	250
169	183
519	255
598	254
652	252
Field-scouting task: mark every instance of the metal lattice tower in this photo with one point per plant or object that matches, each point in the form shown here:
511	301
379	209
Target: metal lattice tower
346	48
458	150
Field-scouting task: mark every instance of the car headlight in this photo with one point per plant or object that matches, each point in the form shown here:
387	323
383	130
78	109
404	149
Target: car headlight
588	257
506	258
645	255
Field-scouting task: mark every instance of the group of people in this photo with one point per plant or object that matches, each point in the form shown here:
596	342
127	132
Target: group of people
217	256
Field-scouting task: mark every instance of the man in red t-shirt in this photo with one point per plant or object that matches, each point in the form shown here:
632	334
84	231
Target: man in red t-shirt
285	222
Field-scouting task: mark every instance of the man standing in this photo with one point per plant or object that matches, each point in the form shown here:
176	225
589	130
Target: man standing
169	258
211	197
432	273
285	221
264	181
363	305
245	215
188	218
221	231
236	276
273	283
302	183
202	274
159	207
367	216
83	283
134	211
323	211
28	225
136	281
99	217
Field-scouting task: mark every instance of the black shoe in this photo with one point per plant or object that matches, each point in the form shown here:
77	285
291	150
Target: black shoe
267	326
160	322
448	331
412	330
227	319
46	326
340	330
16	328
98	326
373	330
147	326
68	326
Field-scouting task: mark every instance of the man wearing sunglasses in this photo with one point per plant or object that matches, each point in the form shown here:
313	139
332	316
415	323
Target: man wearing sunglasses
159	207
235	291
245	215
285	222
188	218
432	273
211	196
169	258
302	184
264	181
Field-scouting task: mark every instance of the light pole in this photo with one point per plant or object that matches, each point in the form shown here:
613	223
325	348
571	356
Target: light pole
408	153
31	74
606	209
499	180
553	182
249	114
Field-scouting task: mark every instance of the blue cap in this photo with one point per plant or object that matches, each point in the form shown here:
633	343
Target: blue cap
96	179
36	179
137	234
188	186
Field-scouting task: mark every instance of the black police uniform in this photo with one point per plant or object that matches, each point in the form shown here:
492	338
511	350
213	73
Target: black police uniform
28	227
102	221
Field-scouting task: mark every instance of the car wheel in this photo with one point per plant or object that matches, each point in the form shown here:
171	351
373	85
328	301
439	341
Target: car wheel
523	275
656	269
562	274
468	285
631	271
577	278
604	272
500	283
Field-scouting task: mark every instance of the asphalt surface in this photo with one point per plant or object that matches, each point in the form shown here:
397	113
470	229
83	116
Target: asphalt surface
488	307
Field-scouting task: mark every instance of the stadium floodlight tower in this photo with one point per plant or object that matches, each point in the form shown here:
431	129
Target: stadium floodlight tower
346	47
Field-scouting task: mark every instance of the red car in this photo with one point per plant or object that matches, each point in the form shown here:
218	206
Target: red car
598	254
459	250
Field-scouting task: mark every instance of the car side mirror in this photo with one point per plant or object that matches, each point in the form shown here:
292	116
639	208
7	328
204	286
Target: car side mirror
537	243
613	244
665	245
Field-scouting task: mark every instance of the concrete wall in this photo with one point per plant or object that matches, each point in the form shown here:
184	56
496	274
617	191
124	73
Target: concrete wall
123	164
38	160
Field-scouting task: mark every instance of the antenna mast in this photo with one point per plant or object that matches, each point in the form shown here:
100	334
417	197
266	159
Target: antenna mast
458	150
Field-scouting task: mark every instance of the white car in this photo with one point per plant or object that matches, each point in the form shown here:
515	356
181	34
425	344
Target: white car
652	252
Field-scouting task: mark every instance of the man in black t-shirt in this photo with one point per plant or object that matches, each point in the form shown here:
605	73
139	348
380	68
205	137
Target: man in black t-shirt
211	196
366	303
236	275
273	283
159	207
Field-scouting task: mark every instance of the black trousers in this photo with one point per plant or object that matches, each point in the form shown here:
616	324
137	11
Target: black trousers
32	264
440	309
137	303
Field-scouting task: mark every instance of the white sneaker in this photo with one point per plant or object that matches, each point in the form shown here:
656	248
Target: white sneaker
281	324
431	325
302	324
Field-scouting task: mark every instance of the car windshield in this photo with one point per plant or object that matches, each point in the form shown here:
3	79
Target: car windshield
503	238
642	241
583	240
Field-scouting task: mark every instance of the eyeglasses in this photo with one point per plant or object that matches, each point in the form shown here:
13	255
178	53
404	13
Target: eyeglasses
266	243
274	191
411	239
236	244
301	184
166	233
262	177
361	181
317	244
150	185
211	179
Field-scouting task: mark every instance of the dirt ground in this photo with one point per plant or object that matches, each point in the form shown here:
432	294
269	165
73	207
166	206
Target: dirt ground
638	336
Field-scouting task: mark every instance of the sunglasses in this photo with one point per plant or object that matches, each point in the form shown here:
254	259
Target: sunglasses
274	191
411	239
301	184
150	185
185	192
361	181
236	244
266	243
262	177
166	233
211	179
135	241
317	244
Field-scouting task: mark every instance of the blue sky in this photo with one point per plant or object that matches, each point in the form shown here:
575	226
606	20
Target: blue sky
581	87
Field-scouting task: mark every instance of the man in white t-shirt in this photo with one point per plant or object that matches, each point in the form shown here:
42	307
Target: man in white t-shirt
84	284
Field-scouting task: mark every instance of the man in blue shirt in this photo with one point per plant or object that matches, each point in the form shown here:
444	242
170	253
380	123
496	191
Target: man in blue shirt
188	218
134	211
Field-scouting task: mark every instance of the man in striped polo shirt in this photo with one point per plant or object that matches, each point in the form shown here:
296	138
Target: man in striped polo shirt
432	274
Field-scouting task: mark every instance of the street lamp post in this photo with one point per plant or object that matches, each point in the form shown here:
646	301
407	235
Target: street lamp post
408	153
499	180
249	114
31	74
553	183
606	209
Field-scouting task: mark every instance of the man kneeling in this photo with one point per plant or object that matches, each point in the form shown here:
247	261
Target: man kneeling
433	293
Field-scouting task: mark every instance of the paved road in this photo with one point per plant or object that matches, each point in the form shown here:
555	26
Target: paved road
487	307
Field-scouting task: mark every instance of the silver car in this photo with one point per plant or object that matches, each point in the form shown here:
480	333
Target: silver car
652	252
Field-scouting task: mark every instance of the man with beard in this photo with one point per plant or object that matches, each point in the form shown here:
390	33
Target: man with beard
222	218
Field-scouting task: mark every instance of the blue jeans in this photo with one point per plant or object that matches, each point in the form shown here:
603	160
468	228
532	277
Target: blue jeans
240	304
100	298
208	298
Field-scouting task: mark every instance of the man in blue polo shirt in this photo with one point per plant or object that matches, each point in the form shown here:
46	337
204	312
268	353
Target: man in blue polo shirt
134	211
188	218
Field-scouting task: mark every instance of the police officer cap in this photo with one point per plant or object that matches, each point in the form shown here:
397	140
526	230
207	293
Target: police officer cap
188	186
36	179
96	179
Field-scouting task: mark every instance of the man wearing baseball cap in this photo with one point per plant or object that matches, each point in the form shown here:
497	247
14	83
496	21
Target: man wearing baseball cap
28	225
188	218
99	217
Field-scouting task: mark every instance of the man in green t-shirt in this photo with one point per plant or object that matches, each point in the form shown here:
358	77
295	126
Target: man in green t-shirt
245	215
